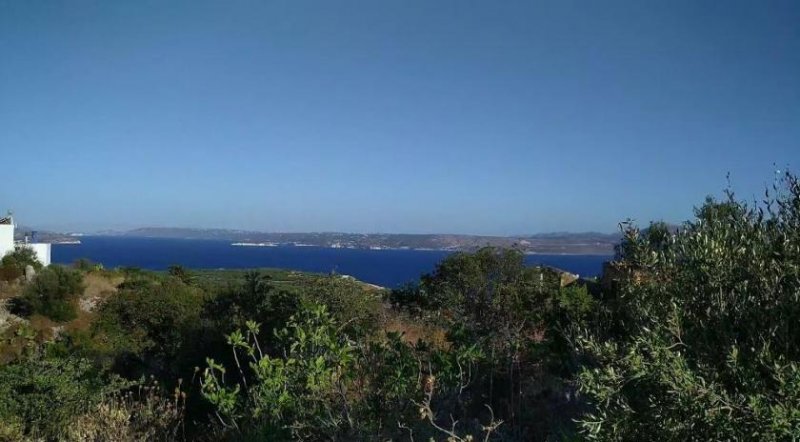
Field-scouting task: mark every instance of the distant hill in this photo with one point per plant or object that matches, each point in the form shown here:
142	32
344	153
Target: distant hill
588	243
42	235
584	243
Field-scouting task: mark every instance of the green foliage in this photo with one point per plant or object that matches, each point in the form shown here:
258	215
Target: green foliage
53	293
393	370
321	386
348	303
83	264
301	393
253	297
700	339
271	297
574	303
411	297
690	335
489	286
39	396
149	326
12	265
504	313
180	272
574	309
86	265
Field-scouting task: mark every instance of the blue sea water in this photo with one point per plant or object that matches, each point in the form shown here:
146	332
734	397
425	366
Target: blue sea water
388	268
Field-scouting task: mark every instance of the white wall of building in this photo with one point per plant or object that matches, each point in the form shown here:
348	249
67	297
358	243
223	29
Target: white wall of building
42	251
6	239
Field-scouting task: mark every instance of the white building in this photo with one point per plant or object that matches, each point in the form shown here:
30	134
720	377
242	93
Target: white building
6	235
41	249
7	244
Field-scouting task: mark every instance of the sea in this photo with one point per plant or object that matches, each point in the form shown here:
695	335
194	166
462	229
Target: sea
388	268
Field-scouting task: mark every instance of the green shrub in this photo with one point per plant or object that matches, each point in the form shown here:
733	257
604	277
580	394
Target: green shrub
325	384
12	265
298	394
53	293
39	397
149	326
489	288
348	302
700	340
180	272
573	310
253	297
496	310
83	264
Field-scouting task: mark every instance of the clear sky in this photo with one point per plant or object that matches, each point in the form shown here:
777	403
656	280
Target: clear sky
493	117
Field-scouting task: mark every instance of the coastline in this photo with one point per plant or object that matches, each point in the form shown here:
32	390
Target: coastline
421	249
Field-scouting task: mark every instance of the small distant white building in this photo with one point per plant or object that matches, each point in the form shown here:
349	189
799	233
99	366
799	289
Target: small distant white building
7	243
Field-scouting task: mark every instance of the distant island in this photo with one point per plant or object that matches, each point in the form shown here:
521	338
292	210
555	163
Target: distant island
588	243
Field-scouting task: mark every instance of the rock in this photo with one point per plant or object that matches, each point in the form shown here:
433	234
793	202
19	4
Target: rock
88	304
29	273
6	318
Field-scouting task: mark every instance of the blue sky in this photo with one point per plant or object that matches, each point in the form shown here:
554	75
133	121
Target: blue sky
494	117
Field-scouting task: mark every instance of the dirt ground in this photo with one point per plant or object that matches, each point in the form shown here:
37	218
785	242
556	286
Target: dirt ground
98	287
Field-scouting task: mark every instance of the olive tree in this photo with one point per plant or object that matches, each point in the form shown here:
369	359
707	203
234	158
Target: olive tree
700	337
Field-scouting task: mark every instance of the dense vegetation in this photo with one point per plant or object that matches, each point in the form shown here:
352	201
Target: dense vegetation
690	335
12	266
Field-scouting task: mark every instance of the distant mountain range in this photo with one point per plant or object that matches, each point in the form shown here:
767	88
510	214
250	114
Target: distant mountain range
589	243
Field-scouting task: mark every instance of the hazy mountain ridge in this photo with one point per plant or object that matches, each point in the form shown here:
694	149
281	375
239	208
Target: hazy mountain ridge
588	243
20	232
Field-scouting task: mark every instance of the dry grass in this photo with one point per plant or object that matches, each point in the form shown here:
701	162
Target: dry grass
82	322
98	288
43	326
149	413
99	285
6	318
9	290
413	331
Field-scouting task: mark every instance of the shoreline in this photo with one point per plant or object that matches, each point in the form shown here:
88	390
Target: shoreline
412	249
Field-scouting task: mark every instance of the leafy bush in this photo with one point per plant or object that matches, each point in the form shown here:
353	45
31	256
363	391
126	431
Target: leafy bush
700	339
53	293
149	326
12	265
299	394
83	264
39	396
253	298
573	310
323	385
180	272
358	310
498	309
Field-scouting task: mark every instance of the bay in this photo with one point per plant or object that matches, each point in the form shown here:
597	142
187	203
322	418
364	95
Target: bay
388	268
